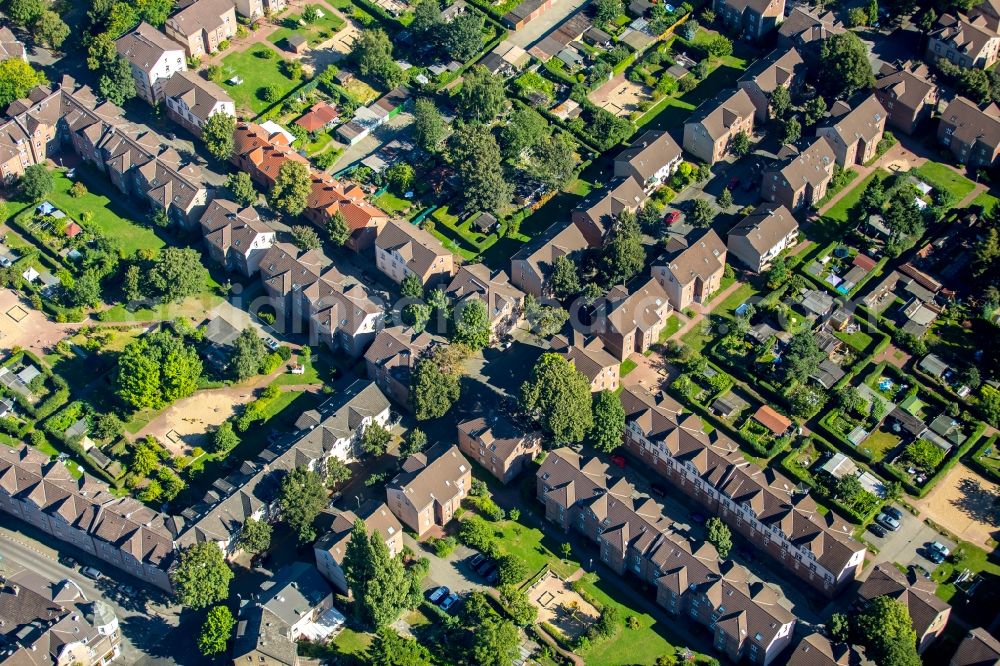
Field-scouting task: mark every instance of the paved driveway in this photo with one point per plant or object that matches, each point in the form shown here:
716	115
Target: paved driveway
541	26
453	572
906	545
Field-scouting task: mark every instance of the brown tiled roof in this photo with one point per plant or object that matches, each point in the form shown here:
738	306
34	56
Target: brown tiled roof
419	249
200	96
978	649
339	303
908	87
377	517
145	45
588	355
810	167
431	477
559	240
497	434
818	650
863	122
778	68
640	310
655	417
477	281
765	226
226	226
10	46
649	152
915	593
284	269
971	124
604	205
719	114
200	15
965	35
804	26
699	260
317	117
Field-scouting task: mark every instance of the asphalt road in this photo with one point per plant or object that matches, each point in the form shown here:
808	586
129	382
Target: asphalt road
151	631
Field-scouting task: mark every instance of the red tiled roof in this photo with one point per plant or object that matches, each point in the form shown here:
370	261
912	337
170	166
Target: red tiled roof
863	261
72	229
772	420
319	116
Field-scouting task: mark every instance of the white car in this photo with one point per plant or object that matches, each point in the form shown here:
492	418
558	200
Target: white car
941	548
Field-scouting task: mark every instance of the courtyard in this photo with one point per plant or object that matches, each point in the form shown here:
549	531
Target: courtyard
966	504
562	607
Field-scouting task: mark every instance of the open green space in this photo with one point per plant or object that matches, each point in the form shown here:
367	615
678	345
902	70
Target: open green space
532	546
942	177
840	211
878	444
256	73
98	201
627	366
734	300
393	204
643	645
986	200
982	603
320	30
858	340
673	325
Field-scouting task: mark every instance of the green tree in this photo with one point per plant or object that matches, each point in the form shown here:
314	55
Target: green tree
780	102
176	274
873	197
336	472
923	454
886	631
248	354
516	601
51	30
791	130
872	12
389	648
845	66
201	577
217	134
25	12
719	536
427	22
375	440
225	438
725	199
144	460
301	498
558	395
624	255
160	219
377	580
565	279
553	161
372	51
840	626
814	110
305	237
848	489
116	83
255	536
415	442
511	569
986	255
36	182
108	426
606	11
544	320
740	144
157	369
463	36
609	421
477	160
411	287
434	390
524	130
400	176
101	52
802	357
719	47
337	229
482	95
701	213
429	126
241	186
291	188
215	631
472	327
495	642
86	290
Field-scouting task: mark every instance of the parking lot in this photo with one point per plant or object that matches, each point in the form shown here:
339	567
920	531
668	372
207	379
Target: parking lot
907	545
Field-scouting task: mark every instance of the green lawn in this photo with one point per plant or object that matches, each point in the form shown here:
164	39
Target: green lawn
629	646
319	144
352	644
839	211
859	340
318	31
986	200
698	337
942	177
976	560
734	300
628	365
98	201
878	444
531	545
672	326
256	73
392	204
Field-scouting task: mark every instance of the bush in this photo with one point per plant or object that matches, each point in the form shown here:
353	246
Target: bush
488	508
265	54
444	547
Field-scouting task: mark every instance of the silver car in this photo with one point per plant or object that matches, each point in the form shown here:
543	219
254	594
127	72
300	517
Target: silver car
887	521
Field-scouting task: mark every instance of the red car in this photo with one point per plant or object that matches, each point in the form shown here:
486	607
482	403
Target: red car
618	460
672	217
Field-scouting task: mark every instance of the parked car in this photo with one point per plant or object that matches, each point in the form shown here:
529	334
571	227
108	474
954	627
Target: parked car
887	522
449	601
892	511
672	217
438	594
877	530
657	489
488	571
476	561
940	548
93	573
935	556
618	460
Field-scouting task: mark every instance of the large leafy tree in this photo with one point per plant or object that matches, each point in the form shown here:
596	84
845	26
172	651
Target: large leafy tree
116	83
525	130
473	324
291	188
51	30
427	22
565	278
846	69
886	631
215	631
606	11
802	357
558	395
624	254
17	78
554	161
301	498
377	580
176	274
36	182
372	51
477	159
155	370
495	642
201	577
248	354
242	188
434	388
720	536
609	421
218	135
429	126
375	440
463	36
482	95
25	12
391	649
337	229
225	438
305	237
255	537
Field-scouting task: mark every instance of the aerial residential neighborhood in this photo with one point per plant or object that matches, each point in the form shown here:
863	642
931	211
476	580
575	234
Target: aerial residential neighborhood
499	332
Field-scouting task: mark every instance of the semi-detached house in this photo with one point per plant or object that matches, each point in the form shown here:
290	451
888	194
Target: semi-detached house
779	69
746	619
761	236
191	101
391	358
908	95
970	133
153	57
202	25
800	179
403	249
928	614
531	266
430	488
963	41
498	445
690	274
651	159
758	503
235	237
855	133
750	19
711	127
504	302
331	548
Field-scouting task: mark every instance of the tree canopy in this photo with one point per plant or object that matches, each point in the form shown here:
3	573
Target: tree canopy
609	421
624	255
215	631
17	78
719	536
218	135
156	370
242	188
248	354
372	51
378	581
472	327
291	188
429	126
301	497
802	357
477	159
201	577
886	631
845	66
482	96
36	182
558	395
435	387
